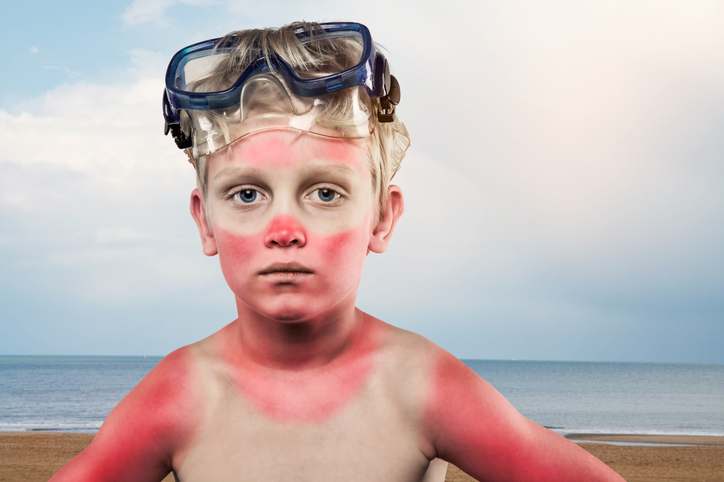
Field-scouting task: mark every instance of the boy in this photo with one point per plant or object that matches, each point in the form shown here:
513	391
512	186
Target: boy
294	138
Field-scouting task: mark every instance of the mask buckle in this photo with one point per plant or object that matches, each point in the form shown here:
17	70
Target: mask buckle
389	101
182	140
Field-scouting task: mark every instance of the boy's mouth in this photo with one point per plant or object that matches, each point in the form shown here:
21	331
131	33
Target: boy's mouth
287	271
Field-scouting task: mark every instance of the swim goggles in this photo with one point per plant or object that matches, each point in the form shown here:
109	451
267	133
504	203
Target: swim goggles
209	102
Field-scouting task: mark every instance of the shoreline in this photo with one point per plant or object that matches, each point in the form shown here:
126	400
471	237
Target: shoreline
35	455
695	440
612	438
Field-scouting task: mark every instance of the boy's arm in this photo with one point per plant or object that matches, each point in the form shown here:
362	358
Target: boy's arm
471	425
141	435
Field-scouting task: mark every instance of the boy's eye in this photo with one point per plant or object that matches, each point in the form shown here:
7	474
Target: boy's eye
246	195
326	195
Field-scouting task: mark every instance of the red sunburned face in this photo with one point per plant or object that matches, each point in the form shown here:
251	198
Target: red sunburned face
291	216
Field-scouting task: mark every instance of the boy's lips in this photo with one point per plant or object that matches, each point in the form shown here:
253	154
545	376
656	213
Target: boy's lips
285	270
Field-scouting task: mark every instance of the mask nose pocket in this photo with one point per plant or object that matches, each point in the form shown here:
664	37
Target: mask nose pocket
265	102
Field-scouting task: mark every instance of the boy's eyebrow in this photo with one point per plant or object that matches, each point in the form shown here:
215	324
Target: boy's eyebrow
315	167
330	167
233	170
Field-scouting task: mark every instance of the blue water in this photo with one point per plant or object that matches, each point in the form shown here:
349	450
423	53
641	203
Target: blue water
75	394
638	398
65	393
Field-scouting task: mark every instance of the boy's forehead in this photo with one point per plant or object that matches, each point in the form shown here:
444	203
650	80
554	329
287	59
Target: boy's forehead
289	148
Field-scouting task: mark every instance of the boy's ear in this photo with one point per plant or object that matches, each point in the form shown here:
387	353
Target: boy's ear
382	233
199	214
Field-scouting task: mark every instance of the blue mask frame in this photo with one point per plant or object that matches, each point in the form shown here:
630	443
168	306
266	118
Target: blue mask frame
372	72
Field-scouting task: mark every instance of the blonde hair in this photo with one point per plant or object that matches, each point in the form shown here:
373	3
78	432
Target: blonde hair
387	142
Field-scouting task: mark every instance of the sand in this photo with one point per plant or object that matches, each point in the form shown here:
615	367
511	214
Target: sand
36	456
33	456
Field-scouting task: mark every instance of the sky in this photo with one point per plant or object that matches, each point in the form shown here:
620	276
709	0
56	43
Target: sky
564	189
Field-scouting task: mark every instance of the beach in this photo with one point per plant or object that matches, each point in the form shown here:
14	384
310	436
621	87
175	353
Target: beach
36	456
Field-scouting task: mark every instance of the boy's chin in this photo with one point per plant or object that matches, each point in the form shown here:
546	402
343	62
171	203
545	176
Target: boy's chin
284	312
299	310
290	316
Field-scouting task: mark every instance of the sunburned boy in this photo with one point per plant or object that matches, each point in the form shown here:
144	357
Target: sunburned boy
294	137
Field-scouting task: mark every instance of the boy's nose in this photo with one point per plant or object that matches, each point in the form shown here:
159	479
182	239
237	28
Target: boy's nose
285	231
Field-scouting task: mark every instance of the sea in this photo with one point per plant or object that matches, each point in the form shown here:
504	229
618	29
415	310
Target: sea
76	393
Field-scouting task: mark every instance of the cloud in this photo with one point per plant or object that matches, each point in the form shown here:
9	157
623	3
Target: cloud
71	73
563	186
97	256
117	234
85	173
144	11
148	64
33	50
109	129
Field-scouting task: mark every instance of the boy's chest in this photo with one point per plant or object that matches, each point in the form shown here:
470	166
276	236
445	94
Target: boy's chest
373	437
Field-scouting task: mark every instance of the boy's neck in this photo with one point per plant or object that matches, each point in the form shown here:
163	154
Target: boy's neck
297	345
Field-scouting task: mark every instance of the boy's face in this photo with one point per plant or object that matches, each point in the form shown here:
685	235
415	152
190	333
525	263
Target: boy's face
292	218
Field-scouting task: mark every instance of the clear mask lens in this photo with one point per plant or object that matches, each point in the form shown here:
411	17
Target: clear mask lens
218	69
330	54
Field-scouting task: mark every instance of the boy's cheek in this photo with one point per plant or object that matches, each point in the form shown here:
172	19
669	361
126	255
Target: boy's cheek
234	249
338	249
239	251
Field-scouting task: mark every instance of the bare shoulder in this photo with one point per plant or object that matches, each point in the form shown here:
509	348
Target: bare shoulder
465	420
405	353
141	436
406	363
469	423
406	345
158	411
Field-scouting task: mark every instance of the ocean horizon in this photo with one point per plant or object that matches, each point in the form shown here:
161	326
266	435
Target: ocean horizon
68	393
